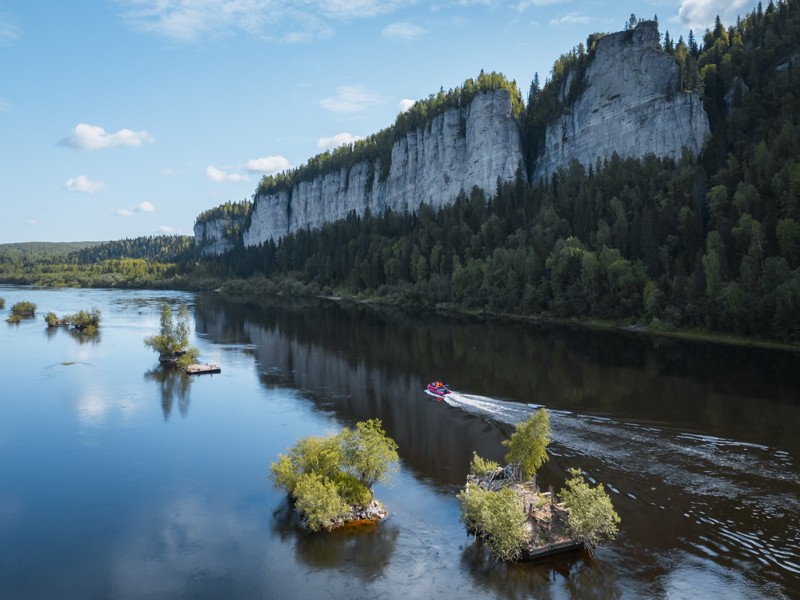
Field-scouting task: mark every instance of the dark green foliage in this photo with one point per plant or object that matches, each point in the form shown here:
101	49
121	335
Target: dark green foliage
139	262
713	244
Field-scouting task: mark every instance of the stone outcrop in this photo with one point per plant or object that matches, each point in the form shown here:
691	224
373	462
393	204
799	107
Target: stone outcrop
215	236
463	147
631	104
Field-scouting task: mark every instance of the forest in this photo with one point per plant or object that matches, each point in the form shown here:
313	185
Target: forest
709	242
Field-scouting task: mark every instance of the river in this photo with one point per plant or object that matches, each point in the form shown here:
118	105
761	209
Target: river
122	481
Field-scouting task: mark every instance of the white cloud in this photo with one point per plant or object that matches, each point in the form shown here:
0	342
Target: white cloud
701	14
526	4
8	31
350	99
169	171
337	140
571	19
267	164
91	137
405	104
4	105
166	229
302	21
403	31
31	221
84	185
223	175
141	207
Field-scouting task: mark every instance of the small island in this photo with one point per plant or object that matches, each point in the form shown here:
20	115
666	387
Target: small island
504	508
83	322
21	310
172	343
329	479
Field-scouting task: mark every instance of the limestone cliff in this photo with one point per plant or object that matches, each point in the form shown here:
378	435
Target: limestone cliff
463	147
631	104
216	236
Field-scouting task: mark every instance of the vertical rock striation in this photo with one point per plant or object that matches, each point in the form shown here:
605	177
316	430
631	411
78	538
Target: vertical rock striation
631	104
461	148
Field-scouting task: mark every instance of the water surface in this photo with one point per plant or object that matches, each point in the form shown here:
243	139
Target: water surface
120	480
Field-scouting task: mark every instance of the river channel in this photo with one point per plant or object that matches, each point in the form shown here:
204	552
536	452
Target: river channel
118	480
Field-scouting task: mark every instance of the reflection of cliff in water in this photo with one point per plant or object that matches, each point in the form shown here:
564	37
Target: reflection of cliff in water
363	363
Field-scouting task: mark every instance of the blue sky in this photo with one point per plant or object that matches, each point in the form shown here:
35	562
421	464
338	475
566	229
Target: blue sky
121	118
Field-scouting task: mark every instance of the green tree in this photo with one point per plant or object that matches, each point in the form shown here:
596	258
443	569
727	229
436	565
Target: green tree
527	446
368	453
591	516
172	341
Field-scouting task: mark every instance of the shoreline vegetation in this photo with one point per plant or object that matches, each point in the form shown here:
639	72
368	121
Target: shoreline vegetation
702	247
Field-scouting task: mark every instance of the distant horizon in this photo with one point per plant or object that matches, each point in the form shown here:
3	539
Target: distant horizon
97	146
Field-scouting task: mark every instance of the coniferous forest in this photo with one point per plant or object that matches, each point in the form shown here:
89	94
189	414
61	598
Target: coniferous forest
705	242
709	242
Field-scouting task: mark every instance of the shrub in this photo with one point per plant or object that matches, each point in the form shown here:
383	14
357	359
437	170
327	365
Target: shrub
592	517
497	517
481	466
318	500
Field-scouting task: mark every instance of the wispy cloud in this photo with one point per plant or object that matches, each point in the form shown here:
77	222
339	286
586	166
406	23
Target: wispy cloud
224	174
571	19
267	164
303	21
92	137
405	104
403	30
4	105
8	31
84	185
350	99
524	5
701	14
337	140
166	229
139	208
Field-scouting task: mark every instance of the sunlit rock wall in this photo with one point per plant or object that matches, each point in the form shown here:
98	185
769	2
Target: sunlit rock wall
631	104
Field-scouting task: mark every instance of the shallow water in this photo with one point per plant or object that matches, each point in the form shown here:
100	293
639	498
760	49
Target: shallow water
121	481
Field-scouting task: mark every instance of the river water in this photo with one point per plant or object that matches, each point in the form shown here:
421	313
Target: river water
120	481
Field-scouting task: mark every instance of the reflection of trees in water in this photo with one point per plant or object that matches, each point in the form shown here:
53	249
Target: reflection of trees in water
76	335
362	550
578	575
172	384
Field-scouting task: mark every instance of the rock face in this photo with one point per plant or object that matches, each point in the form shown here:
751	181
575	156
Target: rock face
213	236
463	147
631	104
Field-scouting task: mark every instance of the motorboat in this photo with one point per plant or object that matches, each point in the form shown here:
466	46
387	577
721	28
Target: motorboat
438	389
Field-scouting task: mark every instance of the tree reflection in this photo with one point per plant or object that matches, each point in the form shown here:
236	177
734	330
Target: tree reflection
576	574
172	384
362	550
